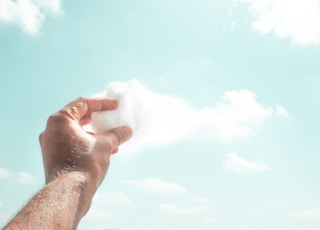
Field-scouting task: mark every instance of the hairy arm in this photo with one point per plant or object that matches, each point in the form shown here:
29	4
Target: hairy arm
59	205
75	164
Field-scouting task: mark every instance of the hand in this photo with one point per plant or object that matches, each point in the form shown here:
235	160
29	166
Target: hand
67	147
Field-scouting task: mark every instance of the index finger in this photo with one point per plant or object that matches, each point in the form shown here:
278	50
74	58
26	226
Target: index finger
78	108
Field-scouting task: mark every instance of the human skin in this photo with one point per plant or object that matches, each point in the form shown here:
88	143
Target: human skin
75	163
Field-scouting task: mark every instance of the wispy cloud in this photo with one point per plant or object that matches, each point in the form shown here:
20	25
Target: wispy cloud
28	14
4	218
237	164
200	200
25	178
295	19
156	185
200	211
97	213
280	111
160	119
118	198
22	178
182	210
4	173
310	214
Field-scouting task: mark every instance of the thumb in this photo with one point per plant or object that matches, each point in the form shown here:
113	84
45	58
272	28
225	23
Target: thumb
118	136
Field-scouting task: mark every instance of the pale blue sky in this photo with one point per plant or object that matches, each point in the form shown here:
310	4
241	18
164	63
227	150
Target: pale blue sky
193	50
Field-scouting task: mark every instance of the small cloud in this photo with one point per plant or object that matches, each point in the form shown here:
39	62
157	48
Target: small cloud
210	220
311	214
281	206
97	213
108	197
295	19
19	178
4	219
156	185
280	111
28	14
229	27
4	173
25	178
200	200
247	227
237	164
171	208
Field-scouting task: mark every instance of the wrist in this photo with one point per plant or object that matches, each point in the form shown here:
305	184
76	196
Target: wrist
82	185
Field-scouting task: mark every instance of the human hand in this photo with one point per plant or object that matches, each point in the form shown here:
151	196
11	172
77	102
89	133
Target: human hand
67	147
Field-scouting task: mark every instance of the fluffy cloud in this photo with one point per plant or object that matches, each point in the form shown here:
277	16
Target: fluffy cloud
296	19
28	14
237	164
160	119
156	185
311	214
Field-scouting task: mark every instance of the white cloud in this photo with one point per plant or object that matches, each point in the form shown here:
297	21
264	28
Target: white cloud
97	213
200	200
311	214
296	19
210	220
28	14
4	218
156	185
160	119
108	197
171	208
19	178
25	178
4	173
237	164
280	111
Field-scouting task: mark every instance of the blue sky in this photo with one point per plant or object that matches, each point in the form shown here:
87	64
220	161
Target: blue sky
267	178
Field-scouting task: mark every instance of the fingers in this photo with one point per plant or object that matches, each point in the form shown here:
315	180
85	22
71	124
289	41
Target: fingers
118	136
85	106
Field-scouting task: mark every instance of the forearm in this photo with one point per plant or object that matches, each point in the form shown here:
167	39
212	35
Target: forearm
59	205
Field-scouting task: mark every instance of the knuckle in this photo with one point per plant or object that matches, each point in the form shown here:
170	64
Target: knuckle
80	99
56	118
117	137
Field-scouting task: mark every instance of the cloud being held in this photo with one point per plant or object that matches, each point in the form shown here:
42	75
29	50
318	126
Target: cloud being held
160	119
296	19
28	14
235	163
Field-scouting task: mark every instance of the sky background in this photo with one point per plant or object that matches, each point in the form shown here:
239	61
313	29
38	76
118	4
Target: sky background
255	63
